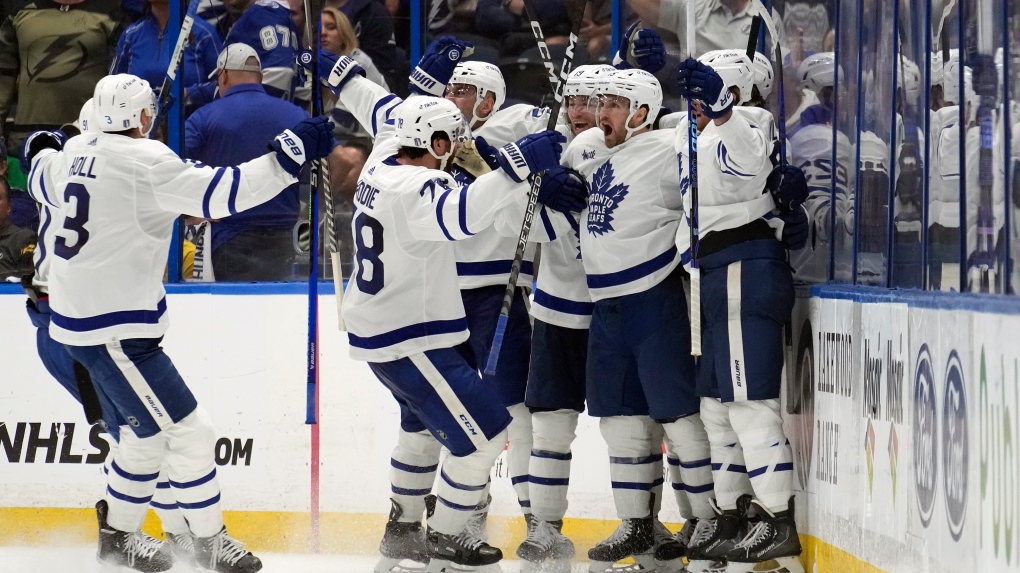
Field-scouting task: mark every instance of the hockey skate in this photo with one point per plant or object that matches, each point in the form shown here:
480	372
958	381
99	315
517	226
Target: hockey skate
683	537
669	552
182	546
771	546
475	530
403	545
132	549
633	538
714	538
224	554
461	552
546	549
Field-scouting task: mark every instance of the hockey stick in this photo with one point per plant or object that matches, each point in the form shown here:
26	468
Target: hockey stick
165	101
985	82
576	15
766	17
692	159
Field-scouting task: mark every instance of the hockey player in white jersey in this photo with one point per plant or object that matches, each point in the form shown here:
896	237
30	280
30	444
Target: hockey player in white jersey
74	377
116	194
407	322
638	375
744	274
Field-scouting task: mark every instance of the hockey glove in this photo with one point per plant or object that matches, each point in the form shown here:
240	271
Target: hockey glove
788	186
341	70
696	80
795	228
531	154
640	49
489	153
36	142
310	139
436	66
470	160
563	189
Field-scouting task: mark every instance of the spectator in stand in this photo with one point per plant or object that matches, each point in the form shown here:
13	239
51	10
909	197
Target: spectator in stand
145	47
721	24
597	29
265	26
338	37
17	245
373	25
66	47
255	245
506	22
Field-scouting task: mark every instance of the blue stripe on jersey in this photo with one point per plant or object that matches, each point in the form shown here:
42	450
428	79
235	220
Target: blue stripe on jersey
165	506
462	214
695	464
209	191
722	155
548	224
42	184
130	476
412	469
109	319
633	273
195	483
548	481
483	268
706	488
433	328
42	241
563	305
439	214
128	498
232	201
201	504
375	110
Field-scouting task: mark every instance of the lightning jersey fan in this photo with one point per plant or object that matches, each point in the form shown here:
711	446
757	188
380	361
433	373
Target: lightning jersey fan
84	188
635	181
266	26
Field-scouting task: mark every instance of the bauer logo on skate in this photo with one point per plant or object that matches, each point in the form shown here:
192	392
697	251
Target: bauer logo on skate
605	198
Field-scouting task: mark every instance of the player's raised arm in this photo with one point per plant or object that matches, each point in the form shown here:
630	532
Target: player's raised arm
38	152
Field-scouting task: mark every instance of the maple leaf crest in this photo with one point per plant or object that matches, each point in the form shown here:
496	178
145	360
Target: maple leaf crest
605	198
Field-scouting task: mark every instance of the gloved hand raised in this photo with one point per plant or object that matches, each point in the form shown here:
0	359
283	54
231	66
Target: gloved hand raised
795	228
436	66
788	186
531	154
341	70
640	49
310	139
563	189
36	142
698	81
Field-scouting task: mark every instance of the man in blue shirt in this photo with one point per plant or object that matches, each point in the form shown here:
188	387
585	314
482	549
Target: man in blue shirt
257	244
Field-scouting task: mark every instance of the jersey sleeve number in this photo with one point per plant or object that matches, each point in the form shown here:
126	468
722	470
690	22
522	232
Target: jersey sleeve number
74	224
369	253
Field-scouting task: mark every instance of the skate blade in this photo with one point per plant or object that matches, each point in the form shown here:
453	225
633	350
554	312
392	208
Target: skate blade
390	565
670	566
780	565
641	563
547	566
446	566
707	566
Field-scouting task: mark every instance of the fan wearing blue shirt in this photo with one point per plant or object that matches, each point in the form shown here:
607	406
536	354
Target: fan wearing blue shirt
257	244
145	48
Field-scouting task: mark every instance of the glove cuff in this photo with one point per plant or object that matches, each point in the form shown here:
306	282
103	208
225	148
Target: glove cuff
620	63
511	159
344	69
290	151
423	83
720	106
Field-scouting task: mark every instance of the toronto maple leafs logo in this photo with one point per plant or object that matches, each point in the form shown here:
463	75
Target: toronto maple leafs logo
605	198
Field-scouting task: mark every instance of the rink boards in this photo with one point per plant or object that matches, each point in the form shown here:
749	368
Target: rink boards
902	411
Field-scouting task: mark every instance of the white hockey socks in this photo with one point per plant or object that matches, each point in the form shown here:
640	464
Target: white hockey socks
518	453
689	442
549	469
131	476
631	469
728	469
676	479
165	506
191	467
461	486
413	467
769	457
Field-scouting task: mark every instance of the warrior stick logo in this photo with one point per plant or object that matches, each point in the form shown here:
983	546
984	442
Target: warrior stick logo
605	198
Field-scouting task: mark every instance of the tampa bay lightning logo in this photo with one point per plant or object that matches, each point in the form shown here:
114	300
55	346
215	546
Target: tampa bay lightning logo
605	198
454	55
306	57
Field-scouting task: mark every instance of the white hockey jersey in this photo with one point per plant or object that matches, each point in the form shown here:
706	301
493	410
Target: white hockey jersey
733	166
485	259
114	200
630	228
404	297
561	293
944	187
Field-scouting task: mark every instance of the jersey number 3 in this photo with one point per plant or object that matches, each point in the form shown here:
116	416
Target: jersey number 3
363	253
74	224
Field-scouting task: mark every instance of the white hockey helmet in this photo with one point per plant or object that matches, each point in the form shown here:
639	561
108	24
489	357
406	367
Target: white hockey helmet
818	71
874	152
87	122
763	74
951	87
640	88
419	118
735	69
910	81
584	80
119	101
486	78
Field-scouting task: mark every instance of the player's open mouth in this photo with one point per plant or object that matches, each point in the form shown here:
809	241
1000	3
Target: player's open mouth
607	129
580	126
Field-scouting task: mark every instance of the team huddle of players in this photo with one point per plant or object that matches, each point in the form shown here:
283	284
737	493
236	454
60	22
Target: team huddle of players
608	327
437	214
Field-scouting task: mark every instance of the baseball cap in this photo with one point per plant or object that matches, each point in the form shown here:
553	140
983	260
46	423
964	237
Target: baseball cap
235	57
